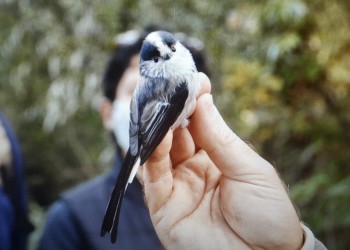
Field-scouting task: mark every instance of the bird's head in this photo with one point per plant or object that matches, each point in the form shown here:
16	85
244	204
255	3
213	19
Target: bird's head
161	54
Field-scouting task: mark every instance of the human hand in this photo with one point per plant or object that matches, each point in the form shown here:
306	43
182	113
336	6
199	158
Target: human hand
207	189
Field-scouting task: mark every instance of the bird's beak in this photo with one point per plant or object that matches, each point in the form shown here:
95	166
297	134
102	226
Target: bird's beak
167	57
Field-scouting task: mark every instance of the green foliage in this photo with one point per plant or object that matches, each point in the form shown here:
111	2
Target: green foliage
280	74
291	102
52	56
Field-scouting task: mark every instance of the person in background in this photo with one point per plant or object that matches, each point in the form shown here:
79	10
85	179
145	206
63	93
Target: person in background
14	223
74	221
204	187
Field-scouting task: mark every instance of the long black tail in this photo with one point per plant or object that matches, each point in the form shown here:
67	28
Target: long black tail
111	218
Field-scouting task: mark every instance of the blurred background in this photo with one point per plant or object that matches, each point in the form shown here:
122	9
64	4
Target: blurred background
280	71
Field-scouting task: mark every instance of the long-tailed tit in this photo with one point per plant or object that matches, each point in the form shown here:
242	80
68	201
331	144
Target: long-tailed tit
164	98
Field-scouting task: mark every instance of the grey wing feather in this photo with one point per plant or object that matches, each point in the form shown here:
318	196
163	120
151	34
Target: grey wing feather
134	127
158	116
150	117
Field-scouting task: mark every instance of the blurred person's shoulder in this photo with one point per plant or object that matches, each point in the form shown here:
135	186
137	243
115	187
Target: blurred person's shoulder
90	194
72	219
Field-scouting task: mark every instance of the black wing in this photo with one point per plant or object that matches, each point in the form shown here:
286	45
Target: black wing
155	125
146	131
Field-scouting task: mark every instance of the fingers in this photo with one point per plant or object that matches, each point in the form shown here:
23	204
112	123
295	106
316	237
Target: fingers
176	147
205	84
228	152
157	175
183	146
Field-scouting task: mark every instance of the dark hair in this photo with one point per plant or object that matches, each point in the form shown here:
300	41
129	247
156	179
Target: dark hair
125	50
117	64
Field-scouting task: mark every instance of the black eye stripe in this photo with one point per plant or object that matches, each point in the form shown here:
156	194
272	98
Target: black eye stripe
149	51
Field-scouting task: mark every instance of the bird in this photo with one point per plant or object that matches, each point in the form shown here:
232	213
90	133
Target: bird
164	98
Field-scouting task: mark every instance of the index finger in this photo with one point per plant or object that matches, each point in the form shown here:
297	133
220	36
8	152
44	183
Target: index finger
228	152
205	84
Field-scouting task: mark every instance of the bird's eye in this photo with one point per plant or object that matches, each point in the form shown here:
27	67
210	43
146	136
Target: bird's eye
155	59
172	47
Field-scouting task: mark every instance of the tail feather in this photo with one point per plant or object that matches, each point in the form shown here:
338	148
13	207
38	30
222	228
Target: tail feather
111	218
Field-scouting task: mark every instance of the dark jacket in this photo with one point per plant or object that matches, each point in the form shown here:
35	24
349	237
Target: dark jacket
74	221
14	224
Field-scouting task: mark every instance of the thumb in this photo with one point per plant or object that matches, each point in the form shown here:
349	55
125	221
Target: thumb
228	152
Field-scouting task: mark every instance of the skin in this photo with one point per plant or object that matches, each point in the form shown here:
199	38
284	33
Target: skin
5	152
207	189
124	91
